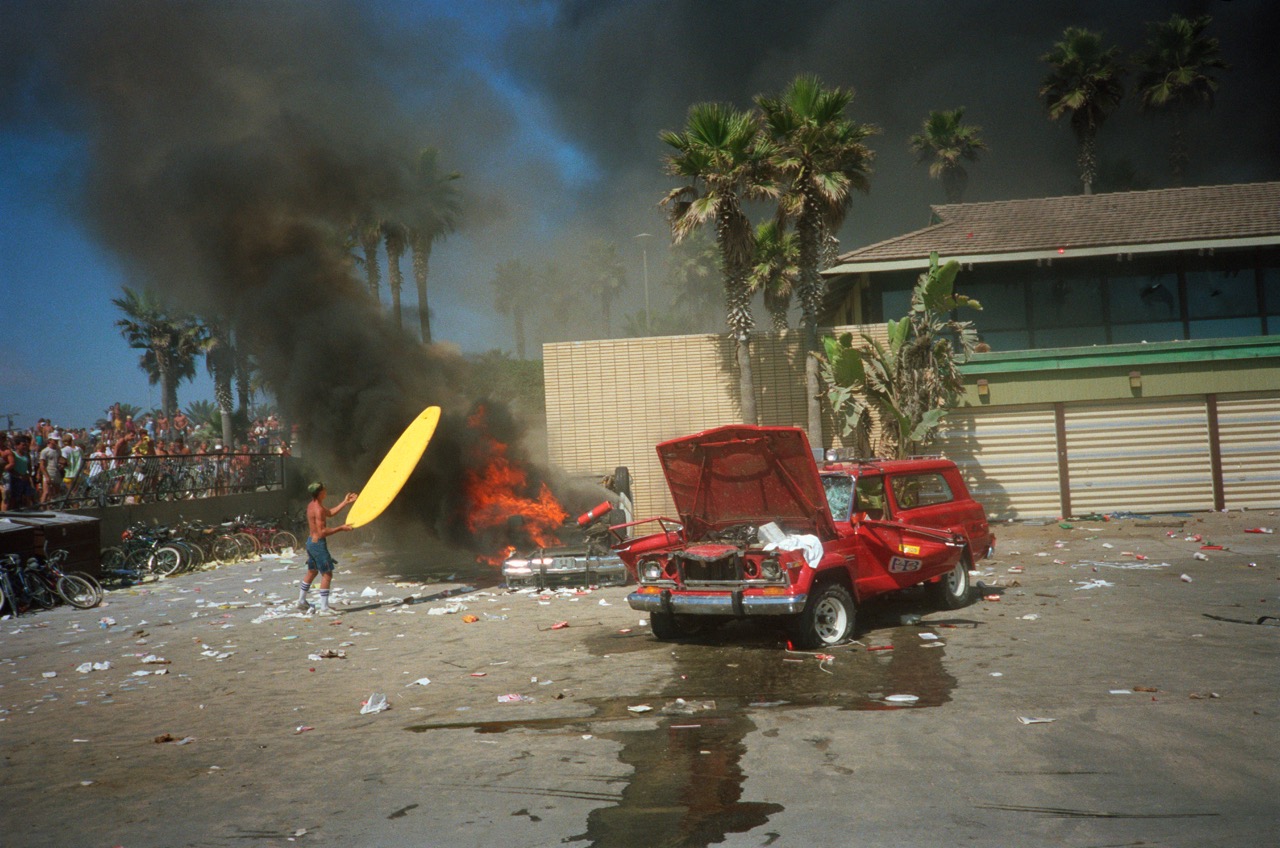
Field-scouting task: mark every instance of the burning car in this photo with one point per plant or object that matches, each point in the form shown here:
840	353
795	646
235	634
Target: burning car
578	553
762	531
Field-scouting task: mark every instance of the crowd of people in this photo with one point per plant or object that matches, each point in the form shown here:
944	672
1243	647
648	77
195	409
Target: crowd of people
45	463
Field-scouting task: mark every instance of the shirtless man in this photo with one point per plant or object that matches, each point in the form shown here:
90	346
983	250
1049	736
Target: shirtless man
319	561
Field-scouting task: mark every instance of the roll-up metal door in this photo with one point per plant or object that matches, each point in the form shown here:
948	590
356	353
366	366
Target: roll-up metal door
1249	439
1009	458
1139	456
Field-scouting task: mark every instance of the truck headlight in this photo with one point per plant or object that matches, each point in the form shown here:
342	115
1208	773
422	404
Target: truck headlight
771	569
650	570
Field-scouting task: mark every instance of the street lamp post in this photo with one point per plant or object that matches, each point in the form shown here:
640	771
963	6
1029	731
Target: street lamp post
644	259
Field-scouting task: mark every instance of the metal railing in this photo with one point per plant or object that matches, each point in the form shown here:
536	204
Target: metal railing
148	479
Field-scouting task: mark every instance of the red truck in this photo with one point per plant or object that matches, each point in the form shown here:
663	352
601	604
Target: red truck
763	531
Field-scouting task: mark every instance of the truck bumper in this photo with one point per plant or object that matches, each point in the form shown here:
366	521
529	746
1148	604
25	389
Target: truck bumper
720	603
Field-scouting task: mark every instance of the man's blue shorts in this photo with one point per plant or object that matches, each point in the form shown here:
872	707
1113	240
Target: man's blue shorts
319	558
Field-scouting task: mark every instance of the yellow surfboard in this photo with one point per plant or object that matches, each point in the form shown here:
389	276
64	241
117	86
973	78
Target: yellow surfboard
389	477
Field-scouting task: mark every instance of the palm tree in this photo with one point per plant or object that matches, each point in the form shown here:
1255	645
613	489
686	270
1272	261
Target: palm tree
820	159
396	237
1174	76
436	211
603	276
692	269
220	361
1085	79
511	294
722	156
945	142
368	233
169	342
774	270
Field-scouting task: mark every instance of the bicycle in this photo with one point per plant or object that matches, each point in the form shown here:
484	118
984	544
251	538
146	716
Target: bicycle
78	589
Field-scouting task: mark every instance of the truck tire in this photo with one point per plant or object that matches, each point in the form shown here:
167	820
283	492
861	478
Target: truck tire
828	619
955	589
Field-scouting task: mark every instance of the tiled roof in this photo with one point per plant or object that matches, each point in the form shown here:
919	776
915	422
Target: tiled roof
1088	221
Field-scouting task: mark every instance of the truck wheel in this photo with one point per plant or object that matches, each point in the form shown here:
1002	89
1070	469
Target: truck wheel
955	589
828	619
622	482
667	626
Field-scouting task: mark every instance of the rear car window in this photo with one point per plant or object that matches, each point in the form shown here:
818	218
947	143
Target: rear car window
913	490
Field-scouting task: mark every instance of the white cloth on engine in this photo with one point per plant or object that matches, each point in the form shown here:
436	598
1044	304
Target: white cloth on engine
811	545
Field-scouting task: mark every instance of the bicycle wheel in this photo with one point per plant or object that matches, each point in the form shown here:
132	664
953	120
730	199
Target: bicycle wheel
226	549
164	560
79	592
38	591
113	559
192	554
248	545
284	540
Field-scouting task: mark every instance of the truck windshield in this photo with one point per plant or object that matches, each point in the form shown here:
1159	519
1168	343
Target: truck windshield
839	490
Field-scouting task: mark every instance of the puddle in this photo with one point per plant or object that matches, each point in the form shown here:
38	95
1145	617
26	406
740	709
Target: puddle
687	779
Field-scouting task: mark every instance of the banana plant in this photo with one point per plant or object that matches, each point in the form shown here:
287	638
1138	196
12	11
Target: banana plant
913	379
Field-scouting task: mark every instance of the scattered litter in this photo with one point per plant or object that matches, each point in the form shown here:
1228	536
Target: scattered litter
560	625
1127	566
1120	692
470	619
1107	545
302	728
1031	616
902	699
377	703
106	621
447	609
1145	689
928	637
85	668
514	698
997	674
1065	525
152	659
479	674
370	592
327	654
49	674
1186	578
638	708
1266	530
1201	696
1212	548
1095	584
991	597
421	681
880	648
1017	569
1034	720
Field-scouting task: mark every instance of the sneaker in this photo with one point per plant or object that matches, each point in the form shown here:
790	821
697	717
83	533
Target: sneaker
303	607
327	611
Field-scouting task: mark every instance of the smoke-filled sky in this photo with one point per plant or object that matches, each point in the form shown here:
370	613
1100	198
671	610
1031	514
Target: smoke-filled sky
203	147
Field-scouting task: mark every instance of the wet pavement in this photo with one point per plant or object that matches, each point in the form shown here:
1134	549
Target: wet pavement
1148	684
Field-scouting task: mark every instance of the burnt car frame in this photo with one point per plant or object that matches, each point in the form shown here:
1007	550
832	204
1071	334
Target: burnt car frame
840	535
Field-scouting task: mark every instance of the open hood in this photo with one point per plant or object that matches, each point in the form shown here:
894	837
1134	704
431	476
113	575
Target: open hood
746	475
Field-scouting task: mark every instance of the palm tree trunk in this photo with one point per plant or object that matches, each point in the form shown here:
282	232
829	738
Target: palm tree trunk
168	383
222	395
395	280
421	266
374	274
738	301
1088	159
1178	156
809	235
517	316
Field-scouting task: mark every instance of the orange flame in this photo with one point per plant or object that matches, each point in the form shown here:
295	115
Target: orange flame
499	489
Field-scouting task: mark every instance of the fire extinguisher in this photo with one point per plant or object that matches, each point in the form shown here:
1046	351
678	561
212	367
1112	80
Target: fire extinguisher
594	513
